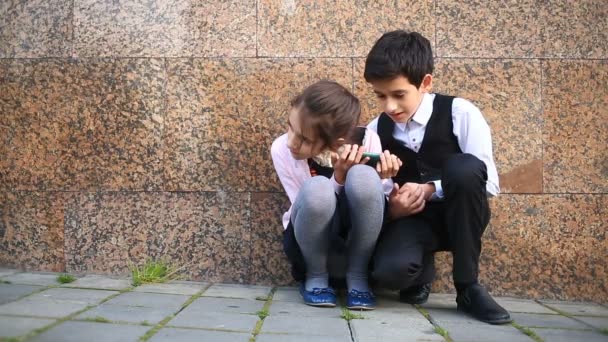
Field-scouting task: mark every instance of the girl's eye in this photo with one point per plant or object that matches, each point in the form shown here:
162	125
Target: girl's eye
380	96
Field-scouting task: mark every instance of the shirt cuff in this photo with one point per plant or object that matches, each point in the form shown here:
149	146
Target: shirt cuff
438	194
337	186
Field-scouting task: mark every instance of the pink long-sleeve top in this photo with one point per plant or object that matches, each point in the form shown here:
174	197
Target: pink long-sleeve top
292	173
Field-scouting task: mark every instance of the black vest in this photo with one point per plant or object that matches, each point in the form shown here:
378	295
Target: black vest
438	144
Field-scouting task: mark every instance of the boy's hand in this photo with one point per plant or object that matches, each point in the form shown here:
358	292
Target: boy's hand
389	165
348	156
406	200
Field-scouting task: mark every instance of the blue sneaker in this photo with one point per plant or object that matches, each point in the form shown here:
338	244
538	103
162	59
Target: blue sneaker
325	297
360	300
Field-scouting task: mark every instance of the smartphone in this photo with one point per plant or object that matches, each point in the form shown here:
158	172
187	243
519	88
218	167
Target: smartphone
374	158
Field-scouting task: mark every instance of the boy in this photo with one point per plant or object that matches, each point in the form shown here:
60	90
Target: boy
439	198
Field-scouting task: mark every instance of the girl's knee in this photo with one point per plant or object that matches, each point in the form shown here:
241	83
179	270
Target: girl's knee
362	180
317	196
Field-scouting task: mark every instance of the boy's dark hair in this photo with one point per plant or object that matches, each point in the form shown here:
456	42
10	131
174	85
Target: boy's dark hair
399	53
333	111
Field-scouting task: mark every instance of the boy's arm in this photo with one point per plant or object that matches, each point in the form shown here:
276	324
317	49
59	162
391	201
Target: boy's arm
474	137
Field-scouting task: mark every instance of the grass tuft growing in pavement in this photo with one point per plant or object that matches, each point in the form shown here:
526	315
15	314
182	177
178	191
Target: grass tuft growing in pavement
441	331
528	332
349	315
65	278
604	331
262	313
5	282
153	272
10	339
98	319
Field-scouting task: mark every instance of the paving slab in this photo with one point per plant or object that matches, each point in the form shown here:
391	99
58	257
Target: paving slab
557	335
522	305
19	326
547	321
300	338
452	316
237	291
7	271
440	301
73	295
287	294
55	302
485	333
11	292
100	282
182	288
324	326
88	331
149	300
302	310
130	314
596	322
193	335
44	279
407	329
381	315
583	309
229	305
217	320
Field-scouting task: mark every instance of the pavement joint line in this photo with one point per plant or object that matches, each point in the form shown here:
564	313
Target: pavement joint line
70	317
548	306
166	320
206	329
527	331
264	311
438	329
47	327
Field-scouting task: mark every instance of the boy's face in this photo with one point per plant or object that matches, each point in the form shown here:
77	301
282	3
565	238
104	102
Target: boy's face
399	98
301	139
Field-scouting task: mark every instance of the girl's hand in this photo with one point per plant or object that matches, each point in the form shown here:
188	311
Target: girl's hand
389	165
344	159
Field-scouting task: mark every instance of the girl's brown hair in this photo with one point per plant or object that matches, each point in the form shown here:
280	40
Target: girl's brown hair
332	110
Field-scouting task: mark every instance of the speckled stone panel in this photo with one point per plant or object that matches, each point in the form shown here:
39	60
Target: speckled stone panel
108	232
575	135
543	246
224	114
29	91
575	29
138	28
81	125
341	28
508	94
205	233
488	28
31	230
35	28
269	263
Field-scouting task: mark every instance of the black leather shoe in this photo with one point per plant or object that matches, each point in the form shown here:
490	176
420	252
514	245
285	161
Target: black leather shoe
477	302
418	294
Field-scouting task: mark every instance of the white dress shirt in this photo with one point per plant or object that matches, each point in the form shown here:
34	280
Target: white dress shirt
470	128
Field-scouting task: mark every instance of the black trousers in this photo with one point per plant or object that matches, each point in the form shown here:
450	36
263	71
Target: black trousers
404	255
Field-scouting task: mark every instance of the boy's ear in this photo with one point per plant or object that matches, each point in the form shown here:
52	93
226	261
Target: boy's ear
427	83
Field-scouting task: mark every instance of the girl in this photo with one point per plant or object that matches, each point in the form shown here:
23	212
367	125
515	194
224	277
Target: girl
337	202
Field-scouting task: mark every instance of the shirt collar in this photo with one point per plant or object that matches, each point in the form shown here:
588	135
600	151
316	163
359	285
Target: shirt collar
423	114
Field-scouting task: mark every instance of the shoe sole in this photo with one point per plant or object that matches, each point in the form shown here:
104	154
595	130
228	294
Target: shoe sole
493	322
414	302
365	308
321	305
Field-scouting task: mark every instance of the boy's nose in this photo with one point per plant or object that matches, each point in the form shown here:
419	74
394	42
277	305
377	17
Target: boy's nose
390	107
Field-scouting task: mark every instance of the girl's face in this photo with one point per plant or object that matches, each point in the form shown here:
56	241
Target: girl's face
302	141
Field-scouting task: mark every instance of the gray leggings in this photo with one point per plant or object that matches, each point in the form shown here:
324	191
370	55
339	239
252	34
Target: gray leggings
314	212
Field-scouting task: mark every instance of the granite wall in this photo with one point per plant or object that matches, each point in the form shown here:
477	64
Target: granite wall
134	129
